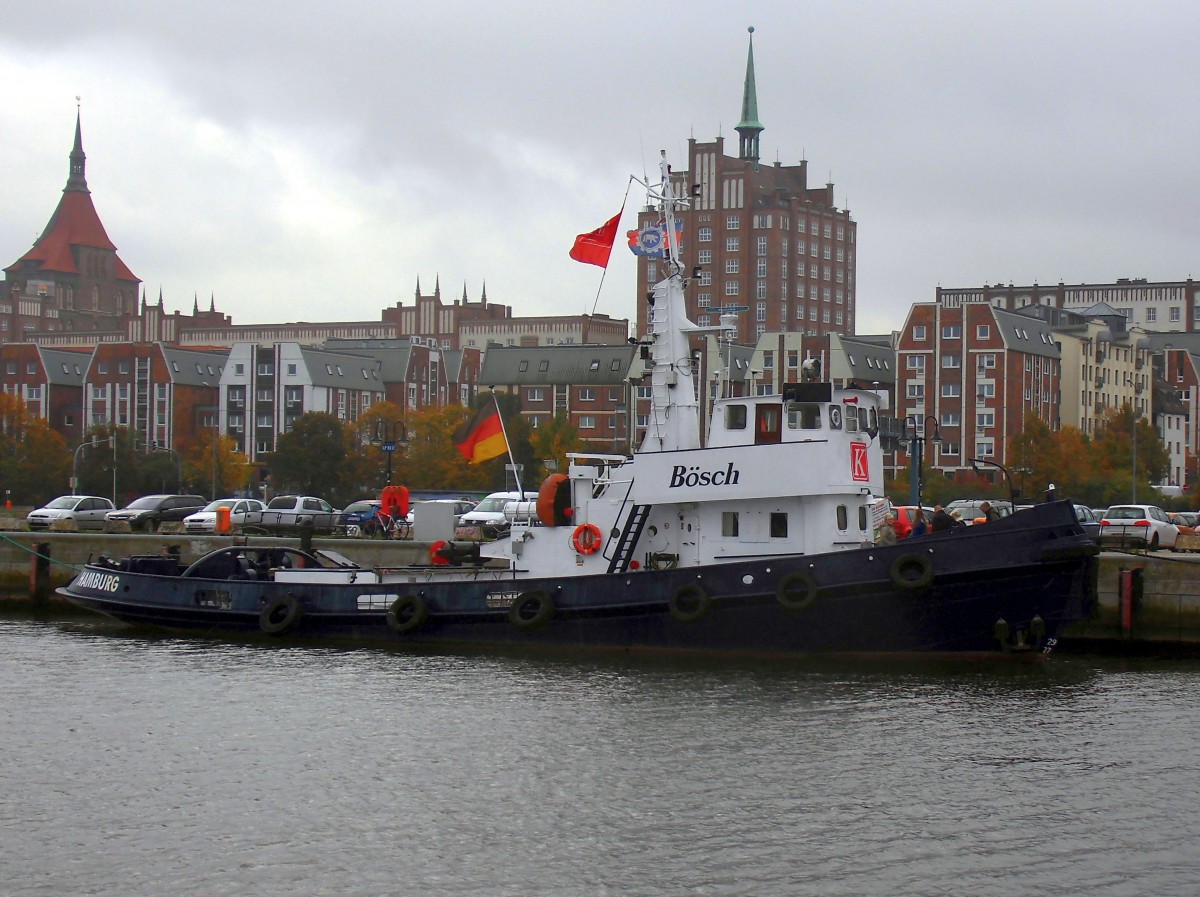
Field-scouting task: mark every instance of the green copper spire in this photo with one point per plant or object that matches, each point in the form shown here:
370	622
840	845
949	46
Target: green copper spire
749	127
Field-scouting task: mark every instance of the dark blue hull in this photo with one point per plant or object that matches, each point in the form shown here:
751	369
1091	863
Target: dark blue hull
1005	586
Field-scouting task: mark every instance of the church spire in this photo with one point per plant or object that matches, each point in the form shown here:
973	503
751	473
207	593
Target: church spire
749	127
76	181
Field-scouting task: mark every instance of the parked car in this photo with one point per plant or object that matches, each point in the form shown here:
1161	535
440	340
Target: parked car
86	510
1088	520
460	506
905	515
205	521
970	508
1138	526
357	513
487	518
1186	521
151	511
290	512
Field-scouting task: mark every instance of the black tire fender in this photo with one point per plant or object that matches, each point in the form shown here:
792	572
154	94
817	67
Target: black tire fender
912	572
797	591
689	603
281	614
530	610
408	612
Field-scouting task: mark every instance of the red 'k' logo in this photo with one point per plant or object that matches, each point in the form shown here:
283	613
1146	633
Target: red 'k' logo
858	462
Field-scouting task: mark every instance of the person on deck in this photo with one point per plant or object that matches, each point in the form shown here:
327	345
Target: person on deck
920	524
989	513
941	521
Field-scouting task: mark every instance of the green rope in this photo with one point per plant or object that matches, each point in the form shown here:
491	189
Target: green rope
74	567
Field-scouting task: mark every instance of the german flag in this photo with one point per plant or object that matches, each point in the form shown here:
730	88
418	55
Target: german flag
482	437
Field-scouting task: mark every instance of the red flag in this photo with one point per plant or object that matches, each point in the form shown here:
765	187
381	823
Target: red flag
594	247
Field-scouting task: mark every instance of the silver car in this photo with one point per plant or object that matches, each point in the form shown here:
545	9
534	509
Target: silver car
86	510
206	521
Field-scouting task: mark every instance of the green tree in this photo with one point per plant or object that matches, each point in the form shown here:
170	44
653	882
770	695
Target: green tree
205	460
1129	467
310	457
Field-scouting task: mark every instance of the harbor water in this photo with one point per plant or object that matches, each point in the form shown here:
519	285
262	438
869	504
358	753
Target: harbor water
137	765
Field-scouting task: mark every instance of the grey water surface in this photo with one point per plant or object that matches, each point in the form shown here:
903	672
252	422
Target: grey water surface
134	765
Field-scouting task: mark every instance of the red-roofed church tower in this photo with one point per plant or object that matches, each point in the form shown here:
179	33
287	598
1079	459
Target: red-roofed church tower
72	278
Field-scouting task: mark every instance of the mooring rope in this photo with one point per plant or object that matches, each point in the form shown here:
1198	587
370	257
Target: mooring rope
75	567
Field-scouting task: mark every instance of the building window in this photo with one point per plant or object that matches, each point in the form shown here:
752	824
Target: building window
704	257
950	391
916	391
762	245
587	394
984	448
985	419
733	266
704	235
949	418
732	222
732	244
983	331
987	361
951	331
915	362
951	361
1174	314
291	370
732	287
1151	315
266	370
587	421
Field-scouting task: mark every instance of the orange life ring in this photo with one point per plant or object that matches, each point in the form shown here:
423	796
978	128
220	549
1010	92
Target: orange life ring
586	538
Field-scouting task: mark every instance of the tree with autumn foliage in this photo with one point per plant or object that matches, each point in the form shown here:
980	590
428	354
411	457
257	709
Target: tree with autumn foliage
553	440
431	461
35	462
206	460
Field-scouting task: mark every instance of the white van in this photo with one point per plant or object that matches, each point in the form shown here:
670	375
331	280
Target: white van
489	513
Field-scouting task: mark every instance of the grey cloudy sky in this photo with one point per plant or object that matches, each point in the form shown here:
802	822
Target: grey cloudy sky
309	161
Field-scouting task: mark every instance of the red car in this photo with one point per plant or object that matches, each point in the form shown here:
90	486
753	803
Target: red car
903	523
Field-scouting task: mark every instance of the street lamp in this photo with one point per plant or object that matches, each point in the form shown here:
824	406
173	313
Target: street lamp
916	431
1012	496
389	434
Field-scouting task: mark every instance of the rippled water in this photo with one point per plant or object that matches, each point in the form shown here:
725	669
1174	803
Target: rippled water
137	766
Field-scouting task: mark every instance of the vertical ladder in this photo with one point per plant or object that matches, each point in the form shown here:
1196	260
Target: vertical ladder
634	523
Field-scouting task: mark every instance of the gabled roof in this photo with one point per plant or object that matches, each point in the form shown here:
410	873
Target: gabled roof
74	223
578	365
64	368
191	368
1026	334
342	370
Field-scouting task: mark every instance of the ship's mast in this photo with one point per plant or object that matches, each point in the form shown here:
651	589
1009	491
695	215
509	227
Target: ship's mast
675	409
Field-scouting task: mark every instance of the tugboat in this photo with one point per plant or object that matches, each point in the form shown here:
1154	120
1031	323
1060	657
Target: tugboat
753	538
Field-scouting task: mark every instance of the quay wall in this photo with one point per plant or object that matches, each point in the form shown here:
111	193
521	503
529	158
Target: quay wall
1157	603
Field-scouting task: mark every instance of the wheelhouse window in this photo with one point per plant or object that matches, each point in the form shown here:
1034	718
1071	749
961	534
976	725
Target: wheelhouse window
735	417
804	416
843	518
779	529
729	523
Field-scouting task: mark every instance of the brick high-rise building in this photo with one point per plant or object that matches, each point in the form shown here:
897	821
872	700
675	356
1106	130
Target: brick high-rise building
759	236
